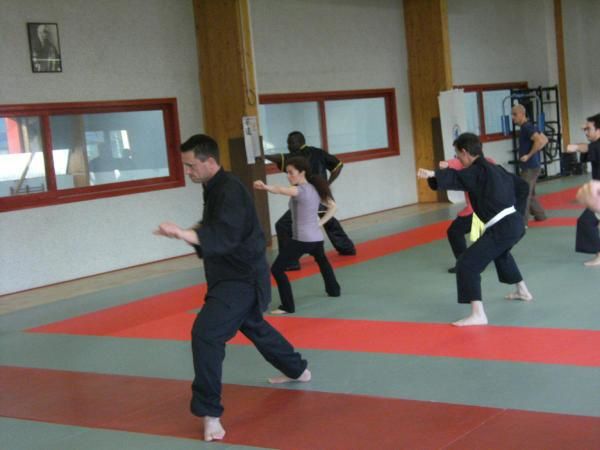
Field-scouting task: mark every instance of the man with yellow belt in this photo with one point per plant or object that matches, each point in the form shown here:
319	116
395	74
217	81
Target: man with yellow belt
499	199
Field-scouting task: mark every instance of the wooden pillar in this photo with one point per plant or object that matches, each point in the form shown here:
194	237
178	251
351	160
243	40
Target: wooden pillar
562	74
227	81
430	71
228	87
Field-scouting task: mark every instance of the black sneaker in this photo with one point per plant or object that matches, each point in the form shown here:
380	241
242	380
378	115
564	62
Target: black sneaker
452	269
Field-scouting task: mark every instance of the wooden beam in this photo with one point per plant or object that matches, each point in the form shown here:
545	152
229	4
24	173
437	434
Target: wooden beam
430	71
562	73
228	88
227	81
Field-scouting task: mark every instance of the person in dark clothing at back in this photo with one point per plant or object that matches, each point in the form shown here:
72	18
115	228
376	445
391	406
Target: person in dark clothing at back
499	199
587	239
320	163
531	142
231	242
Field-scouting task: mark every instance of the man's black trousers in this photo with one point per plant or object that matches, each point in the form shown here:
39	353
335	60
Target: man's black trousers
231	306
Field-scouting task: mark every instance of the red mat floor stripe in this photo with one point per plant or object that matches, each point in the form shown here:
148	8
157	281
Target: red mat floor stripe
157	307
555	222
502	343
564	199
282	418
378	248
113	320
167	316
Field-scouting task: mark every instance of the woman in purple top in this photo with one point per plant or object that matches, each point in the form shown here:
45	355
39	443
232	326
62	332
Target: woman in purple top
306	193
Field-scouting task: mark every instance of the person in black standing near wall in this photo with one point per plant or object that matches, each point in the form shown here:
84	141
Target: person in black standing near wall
587	239
232	244
320	163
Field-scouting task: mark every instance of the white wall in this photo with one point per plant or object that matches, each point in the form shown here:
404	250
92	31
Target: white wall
498	41
126	49
580	22
310	46
113	49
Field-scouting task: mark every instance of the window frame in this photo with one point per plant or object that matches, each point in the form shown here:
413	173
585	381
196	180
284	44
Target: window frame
55	196
389	97
480	89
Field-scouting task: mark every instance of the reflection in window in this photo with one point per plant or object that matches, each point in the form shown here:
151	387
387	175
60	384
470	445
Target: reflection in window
101	148
354	125
68	152
279	119
4	136
472	113
92	140
484	108
492	110
22	169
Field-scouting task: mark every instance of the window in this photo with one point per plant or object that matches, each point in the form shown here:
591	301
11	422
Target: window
485	106
65	152
278	119
353	125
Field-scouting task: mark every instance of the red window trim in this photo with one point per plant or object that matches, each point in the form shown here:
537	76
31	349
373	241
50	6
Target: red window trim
53	196
389	96
480	88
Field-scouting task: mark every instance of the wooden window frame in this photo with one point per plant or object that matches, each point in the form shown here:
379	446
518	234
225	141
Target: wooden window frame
389	97
480	89
55	196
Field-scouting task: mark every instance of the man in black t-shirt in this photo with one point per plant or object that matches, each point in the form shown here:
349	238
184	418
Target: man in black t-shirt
588	237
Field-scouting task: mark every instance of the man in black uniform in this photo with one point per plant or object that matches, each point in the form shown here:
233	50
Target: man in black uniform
587	239
232	244
320	162
499	199
589	196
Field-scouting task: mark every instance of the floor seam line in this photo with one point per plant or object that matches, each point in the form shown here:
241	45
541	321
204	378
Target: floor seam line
498	414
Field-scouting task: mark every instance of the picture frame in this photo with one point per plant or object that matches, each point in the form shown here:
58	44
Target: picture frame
44	47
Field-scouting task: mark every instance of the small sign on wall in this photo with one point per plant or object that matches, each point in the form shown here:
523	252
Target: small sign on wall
251	138
454	122
44	47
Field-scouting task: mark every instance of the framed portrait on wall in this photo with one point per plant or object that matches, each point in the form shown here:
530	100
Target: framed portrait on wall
44	47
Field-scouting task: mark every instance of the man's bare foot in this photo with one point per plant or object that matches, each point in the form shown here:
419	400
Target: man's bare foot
477	316
213	430
473	319
518	296
279	311
304	378
593	262
522	293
